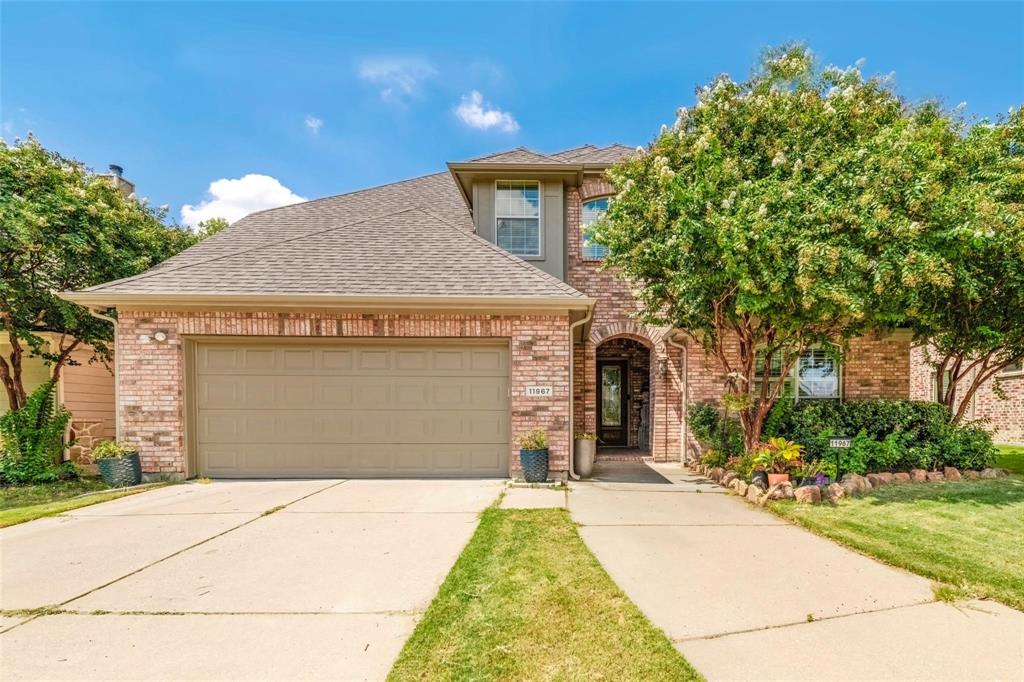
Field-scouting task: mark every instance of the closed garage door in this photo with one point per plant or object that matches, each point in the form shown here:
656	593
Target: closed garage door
368	408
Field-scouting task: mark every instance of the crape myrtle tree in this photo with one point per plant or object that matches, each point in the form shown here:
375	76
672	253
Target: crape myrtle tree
777	214
61	228
972	325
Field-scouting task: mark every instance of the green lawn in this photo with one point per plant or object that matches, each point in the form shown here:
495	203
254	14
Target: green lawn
968	535
1011	457
19	504
528	601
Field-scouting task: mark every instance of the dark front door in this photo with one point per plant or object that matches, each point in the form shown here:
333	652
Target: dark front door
612	388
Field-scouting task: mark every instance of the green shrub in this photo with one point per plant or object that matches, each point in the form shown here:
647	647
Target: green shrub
109	449
887	435
713	430
533	440
32	440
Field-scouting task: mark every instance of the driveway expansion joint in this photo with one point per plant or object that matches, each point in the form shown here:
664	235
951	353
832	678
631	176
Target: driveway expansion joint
822	619
256	517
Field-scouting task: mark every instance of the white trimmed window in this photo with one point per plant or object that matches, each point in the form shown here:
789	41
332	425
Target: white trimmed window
592	211
816	375
517	215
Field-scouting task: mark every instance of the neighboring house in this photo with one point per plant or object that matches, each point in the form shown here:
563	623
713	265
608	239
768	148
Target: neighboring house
999	401
86	389
414	329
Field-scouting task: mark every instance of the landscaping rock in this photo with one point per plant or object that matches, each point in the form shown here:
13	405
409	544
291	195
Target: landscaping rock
716	473
740	486
753	494
901	478
834	492
935	476
951	474
879	479
918	475
808	494
728	477
854	484
971	475
779	491
993	473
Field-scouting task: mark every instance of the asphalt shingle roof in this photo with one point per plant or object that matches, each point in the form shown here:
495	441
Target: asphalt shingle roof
414	237
406	253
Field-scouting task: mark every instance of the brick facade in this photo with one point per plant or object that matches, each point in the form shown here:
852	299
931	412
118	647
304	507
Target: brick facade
152	374
1003	414
614	318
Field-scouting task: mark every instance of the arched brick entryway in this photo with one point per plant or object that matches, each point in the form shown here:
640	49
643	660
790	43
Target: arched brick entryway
664	381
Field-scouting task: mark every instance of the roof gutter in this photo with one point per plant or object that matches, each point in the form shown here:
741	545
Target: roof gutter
292	302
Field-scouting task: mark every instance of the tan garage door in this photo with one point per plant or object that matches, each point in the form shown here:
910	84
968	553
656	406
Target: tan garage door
366	408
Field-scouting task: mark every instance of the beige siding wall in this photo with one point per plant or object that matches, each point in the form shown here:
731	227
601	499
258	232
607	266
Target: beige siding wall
88	391
34	373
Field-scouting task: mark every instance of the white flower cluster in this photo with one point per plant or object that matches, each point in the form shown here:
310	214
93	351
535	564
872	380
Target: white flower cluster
778	159
661	166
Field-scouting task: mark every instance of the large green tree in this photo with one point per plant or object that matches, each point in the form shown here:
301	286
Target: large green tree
62	228
972	324
780	213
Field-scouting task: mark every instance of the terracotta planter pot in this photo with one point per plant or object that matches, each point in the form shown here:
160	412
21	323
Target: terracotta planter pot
777	478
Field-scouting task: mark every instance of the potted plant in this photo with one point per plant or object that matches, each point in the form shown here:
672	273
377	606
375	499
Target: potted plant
533	455
119	464
585	449
777	457
813	473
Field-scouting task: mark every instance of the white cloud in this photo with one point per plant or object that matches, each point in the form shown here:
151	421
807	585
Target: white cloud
314	124
399	78
233	199
473	112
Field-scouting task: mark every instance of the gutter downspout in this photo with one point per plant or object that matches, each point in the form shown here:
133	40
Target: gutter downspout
684	389
117	372
572	394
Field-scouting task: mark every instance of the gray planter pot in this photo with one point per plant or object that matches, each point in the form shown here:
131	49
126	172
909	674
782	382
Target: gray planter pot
586	451
119	472
535	465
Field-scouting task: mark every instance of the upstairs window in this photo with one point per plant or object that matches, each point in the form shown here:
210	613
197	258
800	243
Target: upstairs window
592	212
814	376
517	211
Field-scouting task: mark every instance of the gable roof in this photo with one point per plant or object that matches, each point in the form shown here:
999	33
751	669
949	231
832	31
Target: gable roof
589	154
410	253
517	155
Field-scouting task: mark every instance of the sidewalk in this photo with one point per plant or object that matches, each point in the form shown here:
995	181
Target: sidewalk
745	595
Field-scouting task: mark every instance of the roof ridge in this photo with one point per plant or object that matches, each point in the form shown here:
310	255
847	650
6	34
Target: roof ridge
520	148
153	272
510	256
343	194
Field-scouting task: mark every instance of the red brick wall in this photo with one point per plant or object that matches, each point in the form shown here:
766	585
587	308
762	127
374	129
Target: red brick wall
1004	416
152	375
614	318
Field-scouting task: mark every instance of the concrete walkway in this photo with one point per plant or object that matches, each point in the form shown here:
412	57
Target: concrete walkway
232	580
745	595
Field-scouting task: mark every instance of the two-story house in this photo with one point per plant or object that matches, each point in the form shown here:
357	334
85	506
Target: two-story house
415	329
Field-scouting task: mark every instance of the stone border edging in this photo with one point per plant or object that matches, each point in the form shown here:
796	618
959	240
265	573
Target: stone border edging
851	485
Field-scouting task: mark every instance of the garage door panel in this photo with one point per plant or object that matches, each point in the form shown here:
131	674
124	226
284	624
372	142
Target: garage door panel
359	408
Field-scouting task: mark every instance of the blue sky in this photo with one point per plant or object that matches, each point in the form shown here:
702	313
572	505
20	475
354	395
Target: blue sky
323	98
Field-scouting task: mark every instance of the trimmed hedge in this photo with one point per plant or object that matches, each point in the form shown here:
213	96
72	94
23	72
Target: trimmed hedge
887	434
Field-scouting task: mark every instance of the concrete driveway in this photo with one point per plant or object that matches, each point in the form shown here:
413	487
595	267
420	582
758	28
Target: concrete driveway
746	596
232	580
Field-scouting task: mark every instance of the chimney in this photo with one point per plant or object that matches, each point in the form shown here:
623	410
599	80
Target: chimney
116	178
